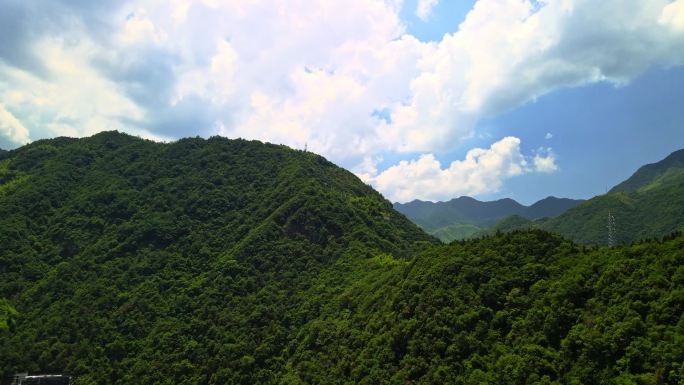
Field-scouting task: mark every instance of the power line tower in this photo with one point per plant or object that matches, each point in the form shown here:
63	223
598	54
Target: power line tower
612	237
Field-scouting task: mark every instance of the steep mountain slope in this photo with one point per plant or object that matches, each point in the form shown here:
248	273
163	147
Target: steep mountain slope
130	261
463	217
653	174
648	214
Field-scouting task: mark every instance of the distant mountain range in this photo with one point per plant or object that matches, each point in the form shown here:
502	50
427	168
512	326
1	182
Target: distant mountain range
465	216
649	204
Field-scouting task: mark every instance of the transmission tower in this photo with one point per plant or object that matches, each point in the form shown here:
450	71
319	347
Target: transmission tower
612	238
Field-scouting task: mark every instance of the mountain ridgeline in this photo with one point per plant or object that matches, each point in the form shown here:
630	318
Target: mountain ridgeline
650	176
219	261
649	204
464	217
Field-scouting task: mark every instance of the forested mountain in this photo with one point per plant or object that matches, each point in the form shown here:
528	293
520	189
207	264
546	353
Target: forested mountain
651	175
650	204
130	261
221	261
550	207
431	215
463	217
517	308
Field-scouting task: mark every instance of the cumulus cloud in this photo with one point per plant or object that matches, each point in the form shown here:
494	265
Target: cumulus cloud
507	53
344	77
545	160
11	128
548	136
673	15
482	171
73	100
424	8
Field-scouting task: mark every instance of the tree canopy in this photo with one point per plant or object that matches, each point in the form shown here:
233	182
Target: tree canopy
219	261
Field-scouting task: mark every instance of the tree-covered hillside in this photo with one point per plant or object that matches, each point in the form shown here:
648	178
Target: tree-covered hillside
518	308
221	261
7	314
653	173
130	261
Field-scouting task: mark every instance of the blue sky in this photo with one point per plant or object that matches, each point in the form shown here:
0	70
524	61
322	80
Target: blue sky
444	18
601	134
423	99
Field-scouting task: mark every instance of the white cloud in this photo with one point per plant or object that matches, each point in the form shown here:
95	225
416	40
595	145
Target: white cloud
367	169
214	82
139	29
343	77
673	15
482	171
548	136
545	161
73	100
11	127
424	8
510	52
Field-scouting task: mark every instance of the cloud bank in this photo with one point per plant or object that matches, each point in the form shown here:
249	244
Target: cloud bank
344	77
482	171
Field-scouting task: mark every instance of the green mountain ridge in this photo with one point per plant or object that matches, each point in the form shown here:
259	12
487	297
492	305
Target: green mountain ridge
650	204
115	242
219	261
652	173
465	217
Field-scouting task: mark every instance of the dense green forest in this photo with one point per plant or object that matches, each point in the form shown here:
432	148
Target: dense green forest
219	261
521	308
7	314
455	232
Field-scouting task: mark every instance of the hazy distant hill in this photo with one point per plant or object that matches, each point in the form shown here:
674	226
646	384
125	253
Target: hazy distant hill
431	215
649	204
550	207
465	216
